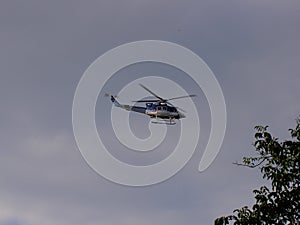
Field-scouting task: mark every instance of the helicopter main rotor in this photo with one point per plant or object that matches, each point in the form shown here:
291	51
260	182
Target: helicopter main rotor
162	100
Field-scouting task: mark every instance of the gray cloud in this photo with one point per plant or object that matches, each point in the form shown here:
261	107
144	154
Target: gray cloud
252	47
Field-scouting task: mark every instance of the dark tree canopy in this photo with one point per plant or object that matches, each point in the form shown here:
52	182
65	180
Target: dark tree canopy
278	163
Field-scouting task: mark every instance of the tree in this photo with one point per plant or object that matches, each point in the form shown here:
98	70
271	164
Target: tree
278	163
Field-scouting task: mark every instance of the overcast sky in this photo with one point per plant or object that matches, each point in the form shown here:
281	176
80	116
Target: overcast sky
252	47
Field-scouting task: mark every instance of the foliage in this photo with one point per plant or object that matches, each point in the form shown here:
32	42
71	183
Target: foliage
278	163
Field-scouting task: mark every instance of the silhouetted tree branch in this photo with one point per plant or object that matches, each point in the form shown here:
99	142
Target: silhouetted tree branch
278	163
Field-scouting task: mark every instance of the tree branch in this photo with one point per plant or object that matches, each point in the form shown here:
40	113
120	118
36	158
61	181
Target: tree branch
251	166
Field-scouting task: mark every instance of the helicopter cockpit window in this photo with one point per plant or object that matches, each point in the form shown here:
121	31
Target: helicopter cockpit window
164	108
158	108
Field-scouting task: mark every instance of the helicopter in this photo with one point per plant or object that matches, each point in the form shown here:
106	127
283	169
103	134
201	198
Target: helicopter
161	109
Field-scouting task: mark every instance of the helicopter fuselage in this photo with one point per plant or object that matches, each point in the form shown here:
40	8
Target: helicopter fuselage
162	110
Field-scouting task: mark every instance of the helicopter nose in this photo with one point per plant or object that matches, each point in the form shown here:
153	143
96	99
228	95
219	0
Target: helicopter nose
181	115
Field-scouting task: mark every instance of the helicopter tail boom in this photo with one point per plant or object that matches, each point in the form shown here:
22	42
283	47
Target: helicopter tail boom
127	107
117	104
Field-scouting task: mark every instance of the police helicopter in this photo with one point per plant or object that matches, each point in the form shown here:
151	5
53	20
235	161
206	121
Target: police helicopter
160	109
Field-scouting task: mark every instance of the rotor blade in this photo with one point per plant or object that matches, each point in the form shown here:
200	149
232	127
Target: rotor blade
187	96
152	92
156	100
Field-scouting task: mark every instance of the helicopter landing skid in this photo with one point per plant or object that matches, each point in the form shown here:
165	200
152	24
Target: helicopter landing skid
164	121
